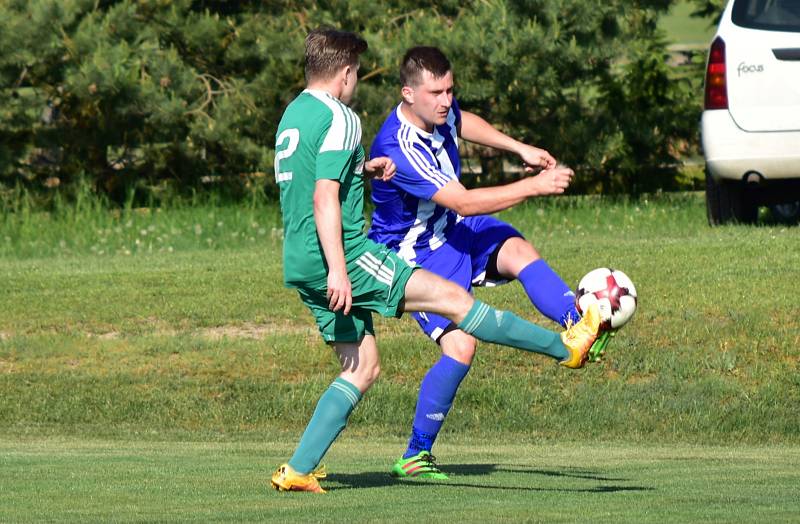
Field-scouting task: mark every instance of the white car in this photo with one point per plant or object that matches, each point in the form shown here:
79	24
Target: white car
751	123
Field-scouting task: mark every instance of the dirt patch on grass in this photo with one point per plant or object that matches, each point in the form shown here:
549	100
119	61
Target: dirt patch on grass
6	366
250	331
240	331
255	331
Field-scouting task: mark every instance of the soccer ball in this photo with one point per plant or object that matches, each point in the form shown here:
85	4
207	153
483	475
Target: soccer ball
612	291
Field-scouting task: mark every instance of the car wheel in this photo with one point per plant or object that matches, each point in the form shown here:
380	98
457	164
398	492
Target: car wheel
729	201
788	213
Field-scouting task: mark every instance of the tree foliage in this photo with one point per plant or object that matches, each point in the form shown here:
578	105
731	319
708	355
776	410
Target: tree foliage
169	95
709	8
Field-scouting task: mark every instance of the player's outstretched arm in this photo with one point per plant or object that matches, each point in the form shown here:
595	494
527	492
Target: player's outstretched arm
487	200
476	129
328	218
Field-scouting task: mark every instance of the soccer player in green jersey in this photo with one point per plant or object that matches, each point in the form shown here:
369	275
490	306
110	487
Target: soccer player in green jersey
341	275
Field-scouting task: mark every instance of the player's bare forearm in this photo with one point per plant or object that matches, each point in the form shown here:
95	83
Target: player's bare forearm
484	200
476	129
328	219
487	200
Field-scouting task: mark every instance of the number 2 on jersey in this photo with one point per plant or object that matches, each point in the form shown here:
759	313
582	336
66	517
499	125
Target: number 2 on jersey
293	136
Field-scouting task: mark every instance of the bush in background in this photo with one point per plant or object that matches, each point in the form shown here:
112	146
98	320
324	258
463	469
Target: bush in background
155	97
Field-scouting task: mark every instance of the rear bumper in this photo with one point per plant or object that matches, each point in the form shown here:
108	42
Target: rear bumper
731	152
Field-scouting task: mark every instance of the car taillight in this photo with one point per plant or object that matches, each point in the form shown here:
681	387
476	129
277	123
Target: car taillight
716	87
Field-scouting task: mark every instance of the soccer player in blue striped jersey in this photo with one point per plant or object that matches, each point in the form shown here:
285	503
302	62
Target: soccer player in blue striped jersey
342	276
427	216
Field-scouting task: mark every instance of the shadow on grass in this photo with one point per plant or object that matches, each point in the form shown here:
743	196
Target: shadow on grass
488	469
460	476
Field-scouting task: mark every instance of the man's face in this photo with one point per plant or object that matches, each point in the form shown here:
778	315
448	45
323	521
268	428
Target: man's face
351	80
430	101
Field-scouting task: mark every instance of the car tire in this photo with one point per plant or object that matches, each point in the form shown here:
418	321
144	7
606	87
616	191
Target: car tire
729	201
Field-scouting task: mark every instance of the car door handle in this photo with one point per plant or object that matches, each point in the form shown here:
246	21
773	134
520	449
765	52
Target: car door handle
789	53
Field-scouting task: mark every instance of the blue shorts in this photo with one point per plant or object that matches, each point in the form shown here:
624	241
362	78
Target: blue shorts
463	259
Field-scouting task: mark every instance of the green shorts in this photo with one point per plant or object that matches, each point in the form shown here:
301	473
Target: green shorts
378	280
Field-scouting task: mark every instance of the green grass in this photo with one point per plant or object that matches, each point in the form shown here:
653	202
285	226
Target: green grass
153	384
123	481
685	30
86	227
202	342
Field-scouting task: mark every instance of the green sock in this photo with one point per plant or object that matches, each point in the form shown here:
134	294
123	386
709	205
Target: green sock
502	327
328	420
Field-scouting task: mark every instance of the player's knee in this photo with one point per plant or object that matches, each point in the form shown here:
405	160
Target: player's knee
464	353
515	254
370	372
363	377
520	247
374	373
459	346
457	297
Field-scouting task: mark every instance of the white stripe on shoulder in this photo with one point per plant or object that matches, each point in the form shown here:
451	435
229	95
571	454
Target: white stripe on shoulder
343	124
405	138
353	127
451	121
408	137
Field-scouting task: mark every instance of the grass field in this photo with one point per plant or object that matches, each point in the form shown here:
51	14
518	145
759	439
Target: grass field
685	30
139	382
124	481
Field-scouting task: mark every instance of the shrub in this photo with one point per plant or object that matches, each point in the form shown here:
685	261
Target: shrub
151	97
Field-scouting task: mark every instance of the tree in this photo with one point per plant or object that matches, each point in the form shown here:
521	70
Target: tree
709	8
157	95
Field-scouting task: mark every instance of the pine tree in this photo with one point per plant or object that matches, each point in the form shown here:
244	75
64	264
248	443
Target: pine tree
169	95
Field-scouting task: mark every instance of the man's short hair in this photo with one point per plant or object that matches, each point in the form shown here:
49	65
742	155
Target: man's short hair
329	50
419	59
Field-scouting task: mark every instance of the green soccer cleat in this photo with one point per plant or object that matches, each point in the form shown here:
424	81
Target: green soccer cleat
598	349
420	466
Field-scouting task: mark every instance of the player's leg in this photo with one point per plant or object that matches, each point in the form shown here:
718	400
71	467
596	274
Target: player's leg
500	253
352	337
360	368
517	258
428	292
436	395
441	382
360	362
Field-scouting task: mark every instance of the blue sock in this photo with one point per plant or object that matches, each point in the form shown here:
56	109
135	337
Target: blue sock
328	420
436	394
548	292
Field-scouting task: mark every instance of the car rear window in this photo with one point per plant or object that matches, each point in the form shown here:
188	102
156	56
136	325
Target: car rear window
770	15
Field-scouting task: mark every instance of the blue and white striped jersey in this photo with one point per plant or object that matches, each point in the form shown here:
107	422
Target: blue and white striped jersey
405	217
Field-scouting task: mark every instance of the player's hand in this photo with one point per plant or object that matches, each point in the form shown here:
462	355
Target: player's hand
553	181
339	293
534	158
382	168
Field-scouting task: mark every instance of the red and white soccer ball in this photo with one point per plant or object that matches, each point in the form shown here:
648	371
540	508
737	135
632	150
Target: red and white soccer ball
612	291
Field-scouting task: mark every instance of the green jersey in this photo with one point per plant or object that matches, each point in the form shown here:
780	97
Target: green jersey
318	138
